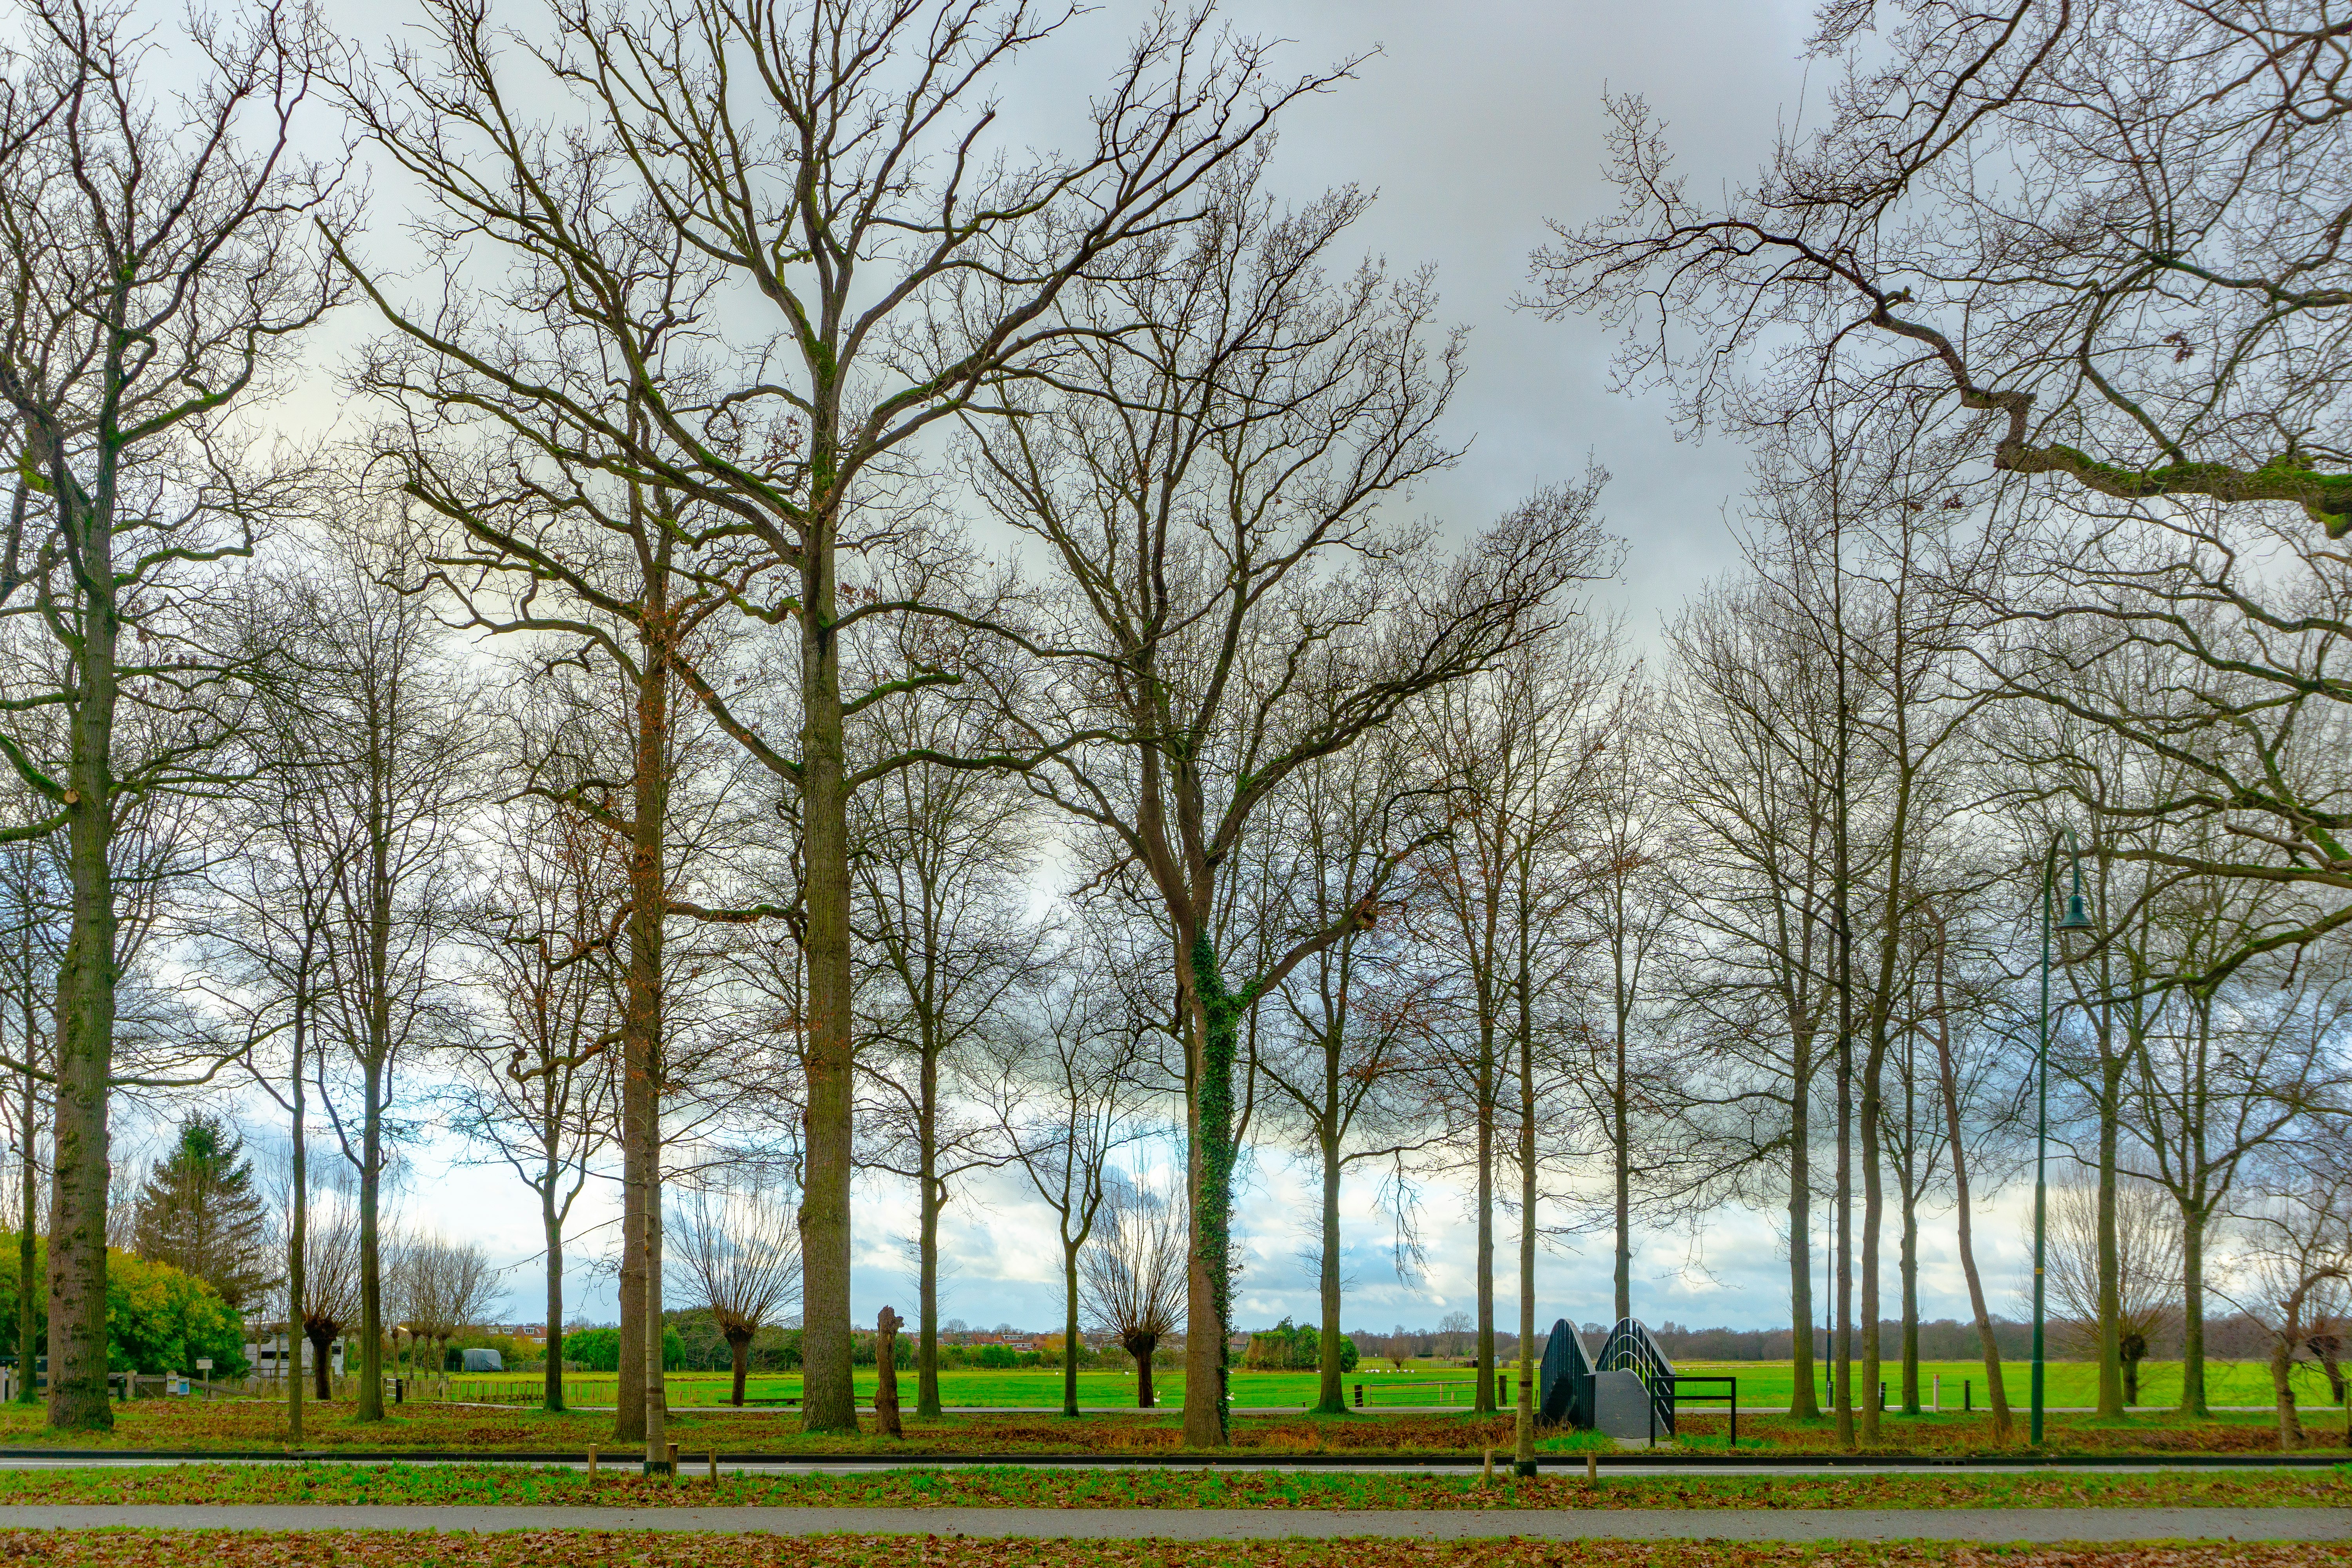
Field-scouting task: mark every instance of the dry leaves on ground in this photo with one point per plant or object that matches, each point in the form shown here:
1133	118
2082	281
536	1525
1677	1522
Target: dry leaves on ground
388	1549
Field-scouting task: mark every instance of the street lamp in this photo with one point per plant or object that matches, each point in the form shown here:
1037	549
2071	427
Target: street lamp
2076	918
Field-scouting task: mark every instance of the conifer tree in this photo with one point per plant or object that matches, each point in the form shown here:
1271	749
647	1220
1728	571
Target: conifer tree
200	1213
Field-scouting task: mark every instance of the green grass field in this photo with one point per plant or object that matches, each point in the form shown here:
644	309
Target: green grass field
2069	1383
1762	1384
1018	1390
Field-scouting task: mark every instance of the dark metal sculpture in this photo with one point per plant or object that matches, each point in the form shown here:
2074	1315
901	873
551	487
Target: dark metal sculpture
1565	1381
1630	1348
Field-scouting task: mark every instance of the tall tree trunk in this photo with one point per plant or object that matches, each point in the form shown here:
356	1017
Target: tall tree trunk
369	1405
1489	1097
297	1219
641	1022
1873	1217
1909	1266
629	1377
1331	1398
927	1332
1214	1022
1523	1451
657	1382
2192	1312
1142	1351
552	1229
1069	1326
1843	1333
1621	1139
1803	1403
828	1400
1948	1081
29	1326
739	1356
2111	1365
84	1057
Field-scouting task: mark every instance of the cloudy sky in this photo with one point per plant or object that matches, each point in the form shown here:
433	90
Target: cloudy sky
1473	123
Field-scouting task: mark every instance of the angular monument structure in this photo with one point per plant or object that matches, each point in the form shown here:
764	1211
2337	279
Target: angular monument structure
1626	1391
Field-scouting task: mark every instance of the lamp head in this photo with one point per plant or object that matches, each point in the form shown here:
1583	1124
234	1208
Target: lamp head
2077	916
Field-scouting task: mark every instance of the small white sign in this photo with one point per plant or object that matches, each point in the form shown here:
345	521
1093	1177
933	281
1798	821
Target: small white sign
203	1364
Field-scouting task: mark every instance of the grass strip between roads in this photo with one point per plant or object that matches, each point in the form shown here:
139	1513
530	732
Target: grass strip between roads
246	1426
525	1549
1009	1487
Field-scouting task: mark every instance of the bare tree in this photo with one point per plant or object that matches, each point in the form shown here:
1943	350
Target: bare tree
32	902
739	1249
1064	1091
323	1302
2147	1245
1948	1018
539	1091
1623	899
1746	744
1340	1070
1231	602
158	256
2296	1273
2148	302
941	872
1132	1276
833	164
2230	1074
1513	748
404	772
443	1287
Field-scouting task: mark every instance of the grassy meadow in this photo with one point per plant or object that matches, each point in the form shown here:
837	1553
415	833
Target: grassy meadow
1762	1385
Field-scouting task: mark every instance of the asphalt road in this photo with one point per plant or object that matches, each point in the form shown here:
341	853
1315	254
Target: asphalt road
1990	1525
691	1465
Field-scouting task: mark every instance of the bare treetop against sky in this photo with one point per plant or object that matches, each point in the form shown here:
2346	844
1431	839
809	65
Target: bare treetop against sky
1472	125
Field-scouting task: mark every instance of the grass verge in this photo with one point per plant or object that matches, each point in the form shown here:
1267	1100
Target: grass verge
1010	1487
583	1549
251	1426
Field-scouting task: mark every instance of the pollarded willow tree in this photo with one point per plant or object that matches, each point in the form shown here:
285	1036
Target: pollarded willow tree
1133	1272
863	252
1228	600
160	250
741	1258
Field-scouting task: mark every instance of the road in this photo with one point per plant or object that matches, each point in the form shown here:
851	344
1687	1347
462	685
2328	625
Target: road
691	1465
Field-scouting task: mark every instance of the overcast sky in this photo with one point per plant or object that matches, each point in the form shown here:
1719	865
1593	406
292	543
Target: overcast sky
1473	123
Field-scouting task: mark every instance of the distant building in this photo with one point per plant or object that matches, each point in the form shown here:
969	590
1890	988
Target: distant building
270	1357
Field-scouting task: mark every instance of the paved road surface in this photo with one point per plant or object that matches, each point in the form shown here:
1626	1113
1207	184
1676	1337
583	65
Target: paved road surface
1236	1524
691	1465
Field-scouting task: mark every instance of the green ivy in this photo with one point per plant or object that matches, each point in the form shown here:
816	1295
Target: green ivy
1222	1013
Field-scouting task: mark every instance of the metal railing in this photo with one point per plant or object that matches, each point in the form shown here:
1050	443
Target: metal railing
1730	1397
1630	1348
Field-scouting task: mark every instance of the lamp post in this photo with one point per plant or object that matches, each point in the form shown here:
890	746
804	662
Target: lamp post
2076	918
